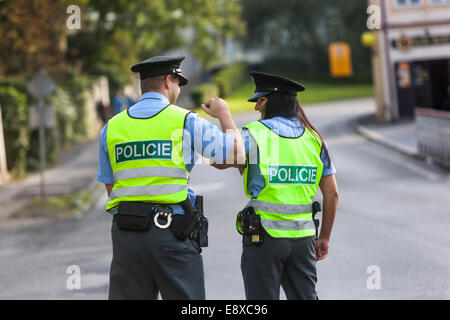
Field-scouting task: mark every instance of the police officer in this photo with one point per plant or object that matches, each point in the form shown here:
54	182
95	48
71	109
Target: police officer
146	154
287	161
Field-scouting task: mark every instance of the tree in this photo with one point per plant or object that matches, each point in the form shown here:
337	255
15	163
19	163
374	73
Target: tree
31	35
116	34
113	35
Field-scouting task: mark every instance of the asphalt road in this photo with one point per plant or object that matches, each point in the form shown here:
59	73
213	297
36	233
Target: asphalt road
393	218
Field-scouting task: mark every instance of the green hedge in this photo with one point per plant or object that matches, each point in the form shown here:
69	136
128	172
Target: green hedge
15	128
76	87
22	143
65	113
200	94
230	78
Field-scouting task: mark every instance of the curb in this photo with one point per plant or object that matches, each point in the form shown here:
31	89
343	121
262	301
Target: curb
378	138
381	140
94	188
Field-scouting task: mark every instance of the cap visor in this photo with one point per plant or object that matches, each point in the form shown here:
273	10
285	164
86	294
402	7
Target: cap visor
183	80
135	68
258	95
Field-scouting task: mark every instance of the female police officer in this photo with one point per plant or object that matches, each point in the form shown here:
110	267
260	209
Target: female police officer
287	161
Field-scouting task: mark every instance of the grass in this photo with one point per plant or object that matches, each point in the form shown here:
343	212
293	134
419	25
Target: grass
55	206
316	91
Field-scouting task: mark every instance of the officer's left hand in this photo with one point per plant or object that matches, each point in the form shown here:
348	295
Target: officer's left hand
321	248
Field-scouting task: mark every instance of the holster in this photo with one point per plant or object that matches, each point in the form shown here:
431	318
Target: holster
316	208
200	234
192	224
251	226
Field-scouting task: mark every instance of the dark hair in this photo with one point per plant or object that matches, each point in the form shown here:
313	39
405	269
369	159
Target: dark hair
287	106
155	83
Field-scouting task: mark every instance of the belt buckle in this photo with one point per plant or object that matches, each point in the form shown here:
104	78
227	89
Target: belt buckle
163	214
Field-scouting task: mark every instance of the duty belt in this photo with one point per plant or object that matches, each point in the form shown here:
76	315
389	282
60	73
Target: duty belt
158	212
192	224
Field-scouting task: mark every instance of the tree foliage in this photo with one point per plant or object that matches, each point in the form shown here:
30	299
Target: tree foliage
31	35
15	125
116	34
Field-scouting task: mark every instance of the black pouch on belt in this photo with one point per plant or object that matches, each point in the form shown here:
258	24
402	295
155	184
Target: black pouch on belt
252	227
183	224
135	216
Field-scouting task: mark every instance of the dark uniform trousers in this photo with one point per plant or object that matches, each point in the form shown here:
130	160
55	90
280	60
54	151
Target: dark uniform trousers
290	263
145	263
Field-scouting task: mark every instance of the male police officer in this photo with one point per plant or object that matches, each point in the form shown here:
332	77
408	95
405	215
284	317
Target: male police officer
145	156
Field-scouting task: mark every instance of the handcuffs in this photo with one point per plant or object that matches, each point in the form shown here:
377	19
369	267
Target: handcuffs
163	214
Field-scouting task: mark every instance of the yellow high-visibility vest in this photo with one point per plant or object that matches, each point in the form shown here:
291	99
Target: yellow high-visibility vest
146	157
292	169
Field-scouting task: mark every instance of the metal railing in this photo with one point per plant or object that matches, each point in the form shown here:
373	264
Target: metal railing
433	134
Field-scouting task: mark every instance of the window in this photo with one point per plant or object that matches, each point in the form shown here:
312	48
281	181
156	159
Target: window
438	2
409	3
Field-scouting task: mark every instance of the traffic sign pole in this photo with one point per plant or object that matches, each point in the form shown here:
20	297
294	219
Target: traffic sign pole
40	87
42	147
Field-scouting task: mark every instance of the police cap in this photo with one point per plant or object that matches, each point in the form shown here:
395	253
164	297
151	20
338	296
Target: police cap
267	83
160	65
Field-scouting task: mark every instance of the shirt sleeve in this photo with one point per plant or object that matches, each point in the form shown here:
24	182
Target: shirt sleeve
104	169
255	180
328	166
203	138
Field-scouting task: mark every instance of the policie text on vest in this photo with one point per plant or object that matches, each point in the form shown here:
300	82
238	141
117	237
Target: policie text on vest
141	150
292	174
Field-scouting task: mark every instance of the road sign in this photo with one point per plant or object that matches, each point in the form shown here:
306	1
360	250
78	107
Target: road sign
340	60
34	116
40	86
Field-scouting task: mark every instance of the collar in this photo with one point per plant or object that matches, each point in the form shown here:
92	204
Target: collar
293	122
156	96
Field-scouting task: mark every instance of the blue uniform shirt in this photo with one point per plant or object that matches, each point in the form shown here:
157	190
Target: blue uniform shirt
286	127
199	137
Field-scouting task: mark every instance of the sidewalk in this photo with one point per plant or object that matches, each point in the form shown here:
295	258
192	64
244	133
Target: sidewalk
76	169
400	135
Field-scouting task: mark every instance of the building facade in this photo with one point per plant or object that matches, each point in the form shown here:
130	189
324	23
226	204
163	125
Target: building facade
411	57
